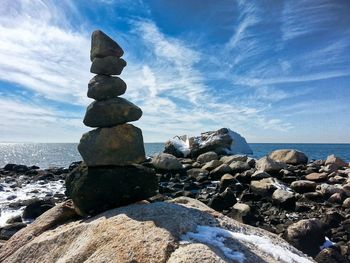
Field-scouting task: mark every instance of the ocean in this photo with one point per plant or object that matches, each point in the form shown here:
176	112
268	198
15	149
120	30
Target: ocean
47	155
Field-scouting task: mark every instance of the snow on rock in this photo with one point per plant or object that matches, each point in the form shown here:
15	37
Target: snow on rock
217	237
222	141
328	243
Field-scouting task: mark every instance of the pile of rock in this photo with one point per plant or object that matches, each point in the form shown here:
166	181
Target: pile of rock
111	175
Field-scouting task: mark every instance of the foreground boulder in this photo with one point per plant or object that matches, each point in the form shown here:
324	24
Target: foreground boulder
289	156
96	189
222	141
184	230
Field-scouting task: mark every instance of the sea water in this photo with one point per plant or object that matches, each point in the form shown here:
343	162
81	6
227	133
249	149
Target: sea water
47	155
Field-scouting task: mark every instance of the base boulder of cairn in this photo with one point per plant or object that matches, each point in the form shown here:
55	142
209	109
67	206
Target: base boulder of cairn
96	189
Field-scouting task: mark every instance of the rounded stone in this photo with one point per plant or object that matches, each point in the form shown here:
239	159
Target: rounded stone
111	112
102	87
118	145
108	65
103	46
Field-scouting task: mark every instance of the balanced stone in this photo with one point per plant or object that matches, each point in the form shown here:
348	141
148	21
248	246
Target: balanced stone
118	145
108	65
111	112
96	189
103	46
102	87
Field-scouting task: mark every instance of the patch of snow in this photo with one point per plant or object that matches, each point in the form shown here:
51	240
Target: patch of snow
328	243
239	144
217	236
282	186
181	145
25	192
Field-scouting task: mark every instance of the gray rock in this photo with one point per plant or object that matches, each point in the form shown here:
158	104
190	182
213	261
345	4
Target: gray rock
226	180
219	171
303	186
212	165
268	165
316	177
111	112
223	201
197	173
260	175
108	66
165	161
332	159
264	186
239	166
6	232
240	211
96	189
284	198
102	87
346	203
233	158
207	157
118	145
327	190
289	156
307	235
103	46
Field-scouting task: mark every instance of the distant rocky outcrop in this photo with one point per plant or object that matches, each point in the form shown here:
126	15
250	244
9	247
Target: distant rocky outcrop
111	152
222	141
183	230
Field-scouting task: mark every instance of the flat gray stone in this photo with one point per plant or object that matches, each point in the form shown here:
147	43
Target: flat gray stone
102	87
111	112
108	65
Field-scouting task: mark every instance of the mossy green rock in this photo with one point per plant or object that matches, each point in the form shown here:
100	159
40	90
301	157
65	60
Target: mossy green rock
96	189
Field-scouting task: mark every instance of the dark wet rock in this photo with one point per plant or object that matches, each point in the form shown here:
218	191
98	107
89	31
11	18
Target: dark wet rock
306	235
95	189
14	219
226	181
220	171
170	148
108	65
102	87
289	156
6	232
36	207
18	168
118	145
223	201
103	46
303	186
207	157
258	175
111	112
197	173
332	219
330	255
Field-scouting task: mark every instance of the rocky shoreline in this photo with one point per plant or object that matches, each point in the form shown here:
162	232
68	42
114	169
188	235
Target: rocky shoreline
306	203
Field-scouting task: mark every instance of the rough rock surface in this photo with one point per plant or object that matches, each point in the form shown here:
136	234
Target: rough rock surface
268	165
111	112
102	87
165	161
289	156
332	159
119	145
103	46
96	189
108	65
152	233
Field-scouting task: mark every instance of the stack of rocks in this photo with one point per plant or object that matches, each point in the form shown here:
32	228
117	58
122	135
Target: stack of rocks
111	175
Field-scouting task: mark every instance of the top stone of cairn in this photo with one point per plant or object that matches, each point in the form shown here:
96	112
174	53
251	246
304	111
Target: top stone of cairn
103	46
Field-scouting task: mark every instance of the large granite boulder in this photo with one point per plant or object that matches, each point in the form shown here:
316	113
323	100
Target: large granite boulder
335	160
102	87
118	145
111	112
222	141
289	156
103	46
182	230
108	65
96	189
268	165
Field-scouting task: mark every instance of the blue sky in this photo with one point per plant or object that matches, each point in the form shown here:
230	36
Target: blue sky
274	71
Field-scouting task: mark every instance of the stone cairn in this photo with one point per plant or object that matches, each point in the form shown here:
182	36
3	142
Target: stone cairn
111	175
